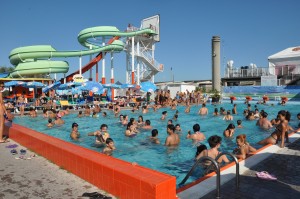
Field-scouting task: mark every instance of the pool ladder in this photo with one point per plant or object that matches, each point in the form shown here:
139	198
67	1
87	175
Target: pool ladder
217	170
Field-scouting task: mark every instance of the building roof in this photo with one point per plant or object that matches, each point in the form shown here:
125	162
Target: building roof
289	56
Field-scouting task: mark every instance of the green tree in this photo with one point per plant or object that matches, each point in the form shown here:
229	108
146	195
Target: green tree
4	69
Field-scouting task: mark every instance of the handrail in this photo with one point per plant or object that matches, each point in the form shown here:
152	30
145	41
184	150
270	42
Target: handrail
217	171
237	177
155	64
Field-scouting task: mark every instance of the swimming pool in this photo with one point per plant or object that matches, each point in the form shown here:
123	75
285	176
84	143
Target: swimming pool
176	161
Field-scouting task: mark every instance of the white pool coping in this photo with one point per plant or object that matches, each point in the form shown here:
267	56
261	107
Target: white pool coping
199	190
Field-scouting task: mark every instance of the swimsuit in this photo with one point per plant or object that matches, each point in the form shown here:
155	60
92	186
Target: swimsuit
273	137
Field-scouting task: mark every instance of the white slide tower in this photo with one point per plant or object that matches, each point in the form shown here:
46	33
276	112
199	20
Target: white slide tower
140	57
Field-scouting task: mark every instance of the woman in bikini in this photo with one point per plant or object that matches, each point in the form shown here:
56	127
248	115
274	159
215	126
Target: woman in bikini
244	148
280	130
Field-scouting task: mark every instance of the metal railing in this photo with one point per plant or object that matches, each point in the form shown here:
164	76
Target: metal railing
205	158
237	165
217	169
252	72
155	64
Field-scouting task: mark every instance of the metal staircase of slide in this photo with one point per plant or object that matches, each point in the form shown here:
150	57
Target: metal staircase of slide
150	66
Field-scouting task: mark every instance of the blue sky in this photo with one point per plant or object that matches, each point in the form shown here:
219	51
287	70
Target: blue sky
250	30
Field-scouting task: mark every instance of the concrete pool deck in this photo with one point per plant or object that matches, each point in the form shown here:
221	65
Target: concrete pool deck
283	163
38	178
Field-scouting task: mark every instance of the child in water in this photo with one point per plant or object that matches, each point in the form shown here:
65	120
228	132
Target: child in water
110	146
50	123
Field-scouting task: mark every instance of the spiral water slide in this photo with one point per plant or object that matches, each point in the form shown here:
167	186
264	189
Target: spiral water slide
33	60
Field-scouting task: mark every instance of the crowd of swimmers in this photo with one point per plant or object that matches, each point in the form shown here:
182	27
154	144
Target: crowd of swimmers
133	126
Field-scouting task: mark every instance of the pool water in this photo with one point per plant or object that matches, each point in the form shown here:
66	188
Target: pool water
174	161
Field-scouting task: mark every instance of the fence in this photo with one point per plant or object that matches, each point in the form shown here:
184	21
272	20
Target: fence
273	92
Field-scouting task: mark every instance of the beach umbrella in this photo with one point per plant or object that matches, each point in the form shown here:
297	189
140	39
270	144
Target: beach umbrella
111	86
51	86
34	85
68	85
128	86
76	90
92	86
148	86
14	83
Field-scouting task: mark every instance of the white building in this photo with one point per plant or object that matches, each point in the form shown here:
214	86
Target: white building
285	62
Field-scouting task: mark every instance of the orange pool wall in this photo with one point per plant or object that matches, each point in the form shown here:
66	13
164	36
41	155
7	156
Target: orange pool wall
120	178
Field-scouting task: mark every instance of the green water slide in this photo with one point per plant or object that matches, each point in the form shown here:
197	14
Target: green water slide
32	60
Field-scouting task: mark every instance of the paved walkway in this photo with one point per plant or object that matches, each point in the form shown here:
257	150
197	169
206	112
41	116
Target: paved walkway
37	178
285	165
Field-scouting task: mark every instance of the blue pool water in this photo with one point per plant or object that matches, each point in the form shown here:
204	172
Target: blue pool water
176	162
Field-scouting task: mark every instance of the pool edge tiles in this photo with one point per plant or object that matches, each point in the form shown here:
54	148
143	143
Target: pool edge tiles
206	184
113	175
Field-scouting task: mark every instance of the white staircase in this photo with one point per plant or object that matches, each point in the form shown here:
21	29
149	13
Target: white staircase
145	66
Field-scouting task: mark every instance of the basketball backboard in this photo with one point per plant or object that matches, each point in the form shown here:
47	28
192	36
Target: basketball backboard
153	23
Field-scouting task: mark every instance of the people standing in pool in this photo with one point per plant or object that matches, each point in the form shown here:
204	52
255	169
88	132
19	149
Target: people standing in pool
80	114
197	136
50	124
147	125
188	108
130	130
214	143
228	116
222	111
203	110
280	131
243	147
154	136
101	135
74	133
110	146
125	120
216	112
164	115
239	124
229	130
234	111
140	121
58	120
178	128
87	110
173	138
263	121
